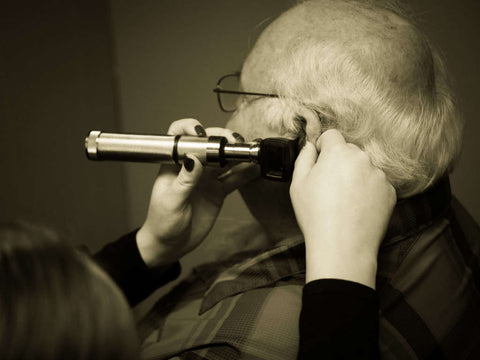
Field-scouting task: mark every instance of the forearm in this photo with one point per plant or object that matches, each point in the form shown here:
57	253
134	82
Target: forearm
123	262
339	320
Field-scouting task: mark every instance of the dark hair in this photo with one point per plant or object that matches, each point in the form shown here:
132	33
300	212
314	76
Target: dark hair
56	303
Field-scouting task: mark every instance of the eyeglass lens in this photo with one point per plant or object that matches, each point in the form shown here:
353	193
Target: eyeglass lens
229	102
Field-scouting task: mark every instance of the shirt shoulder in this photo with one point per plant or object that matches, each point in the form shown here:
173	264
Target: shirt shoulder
260	323
250	310
430	301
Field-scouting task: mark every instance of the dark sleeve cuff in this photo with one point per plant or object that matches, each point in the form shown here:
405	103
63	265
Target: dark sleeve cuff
123	262
339	320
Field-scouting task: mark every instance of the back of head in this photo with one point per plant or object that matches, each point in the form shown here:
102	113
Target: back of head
364	68
56	304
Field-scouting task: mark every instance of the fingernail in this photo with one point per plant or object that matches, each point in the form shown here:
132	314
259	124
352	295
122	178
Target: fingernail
188	163
239	137
200	131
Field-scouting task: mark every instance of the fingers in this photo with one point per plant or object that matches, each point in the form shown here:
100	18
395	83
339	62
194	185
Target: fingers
217	131
230	178
233	176
187	127
187	179
232	137
194	127
305	161
329	139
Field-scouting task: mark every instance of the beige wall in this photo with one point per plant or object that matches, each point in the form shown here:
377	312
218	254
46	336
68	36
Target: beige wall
454	27
55	85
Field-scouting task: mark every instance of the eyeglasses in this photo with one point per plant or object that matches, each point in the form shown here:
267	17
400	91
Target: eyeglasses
228	94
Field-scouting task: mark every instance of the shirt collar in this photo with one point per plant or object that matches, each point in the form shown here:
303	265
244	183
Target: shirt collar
410	216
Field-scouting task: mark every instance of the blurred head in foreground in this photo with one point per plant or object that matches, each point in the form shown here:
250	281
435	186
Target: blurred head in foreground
55	303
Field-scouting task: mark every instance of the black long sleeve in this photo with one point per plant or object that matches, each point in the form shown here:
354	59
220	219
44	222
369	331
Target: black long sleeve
339	320
122	261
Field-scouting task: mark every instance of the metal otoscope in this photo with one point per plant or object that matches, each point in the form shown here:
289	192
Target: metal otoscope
276	156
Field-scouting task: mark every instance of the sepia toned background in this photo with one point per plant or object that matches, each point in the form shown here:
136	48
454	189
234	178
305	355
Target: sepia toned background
135	66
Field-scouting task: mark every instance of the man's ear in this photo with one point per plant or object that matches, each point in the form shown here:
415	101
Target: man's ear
301	123
308	121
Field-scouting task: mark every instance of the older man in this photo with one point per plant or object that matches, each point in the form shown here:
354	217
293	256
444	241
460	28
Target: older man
364	69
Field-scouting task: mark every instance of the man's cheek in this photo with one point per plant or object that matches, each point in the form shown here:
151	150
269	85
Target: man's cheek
250	125
243	123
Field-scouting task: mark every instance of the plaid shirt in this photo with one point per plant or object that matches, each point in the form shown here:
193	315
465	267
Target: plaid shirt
427	282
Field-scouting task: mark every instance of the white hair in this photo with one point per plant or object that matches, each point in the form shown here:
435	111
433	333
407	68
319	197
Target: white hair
369	72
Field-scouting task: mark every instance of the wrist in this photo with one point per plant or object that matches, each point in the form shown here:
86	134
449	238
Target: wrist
152	251
335	262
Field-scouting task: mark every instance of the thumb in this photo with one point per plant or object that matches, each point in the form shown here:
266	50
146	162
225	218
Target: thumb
305	161
187	179
328	139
